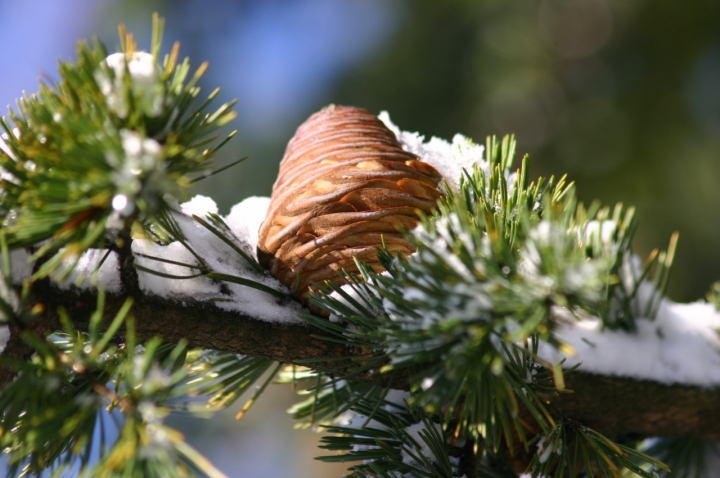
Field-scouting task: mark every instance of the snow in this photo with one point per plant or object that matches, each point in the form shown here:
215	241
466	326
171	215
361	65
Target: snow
545	447
450	159
681	346
146	84
20	266
221	258
544	450
141	65
86	272
245	219
199	205
603	230
181	289
80	273
142	157
89	271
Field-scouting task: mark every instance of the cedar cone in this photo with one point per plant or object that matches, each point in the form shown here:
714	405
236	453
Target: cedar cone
345	185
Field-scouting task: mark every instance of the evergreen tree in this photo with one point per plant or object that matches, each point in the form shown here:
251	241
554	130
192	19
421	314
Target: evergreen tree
120	303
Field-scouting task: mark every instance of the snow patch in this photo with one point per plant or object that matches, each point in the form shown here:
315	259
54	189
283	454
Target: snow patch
200	206
246	218
142	65
450	159
21	268
171	288
175	259
221	258
681	345
95	268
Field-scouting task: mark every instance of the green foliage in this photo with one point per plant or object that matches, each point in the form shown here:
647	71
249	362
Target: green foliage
329	398
225	377
77	383
396	441
98	151
372	424
687	456
463	317
108	150
61	411
570	448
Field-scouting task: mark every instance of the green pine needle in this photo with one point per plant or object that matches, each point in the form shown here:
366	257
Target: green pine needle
102	149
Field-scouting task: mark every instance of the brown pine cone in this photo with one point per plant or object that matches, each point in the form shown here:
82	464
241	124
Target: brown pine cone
344	185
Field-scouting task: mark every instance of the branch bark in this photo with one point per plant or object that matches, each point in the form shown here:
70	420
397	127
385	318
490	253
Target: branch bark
613	406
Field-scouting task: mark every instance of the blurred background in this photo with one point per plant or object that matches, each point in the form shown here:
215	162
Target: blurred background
623	95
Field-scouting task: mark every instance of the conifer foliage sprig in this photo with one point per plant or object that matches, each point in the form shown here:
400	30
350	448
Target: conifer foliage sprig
86	395
87	157
502	264
397	442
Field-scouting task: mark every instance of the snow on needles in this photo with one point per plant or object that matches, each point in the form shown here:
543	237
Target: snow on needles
221	258
96	268
680	346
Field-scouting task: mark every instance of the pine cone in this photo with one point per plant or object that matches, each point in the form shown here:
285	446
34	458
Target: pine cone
344	185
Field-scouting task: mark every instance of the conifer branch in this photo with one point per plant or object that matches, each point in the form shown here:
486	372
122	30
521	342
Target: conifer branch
613	406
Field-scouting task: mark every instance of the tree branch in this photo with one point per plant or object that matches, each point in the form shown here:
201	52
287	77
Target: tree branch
614	406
